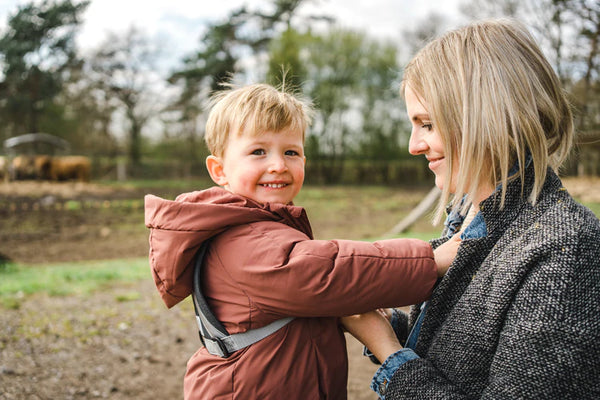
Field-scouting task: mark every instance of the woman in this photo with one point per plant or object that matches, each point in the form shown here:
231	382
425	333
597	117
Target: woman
518	313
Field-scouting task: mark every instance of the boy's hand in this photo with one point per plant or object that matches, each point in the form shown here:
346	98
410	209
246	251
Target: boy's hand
444	255
386	312
374	331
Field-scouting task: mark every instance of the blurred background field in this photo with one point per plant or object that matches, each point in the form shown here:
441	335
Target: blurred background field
59	225
55	222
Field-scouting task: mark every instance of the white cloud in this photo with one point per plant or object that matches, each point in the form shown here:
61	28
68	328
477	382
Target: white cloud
382	18
177	24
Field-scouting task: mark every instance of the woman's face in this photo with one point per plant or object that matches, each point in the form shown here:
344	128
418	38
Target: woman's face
425	139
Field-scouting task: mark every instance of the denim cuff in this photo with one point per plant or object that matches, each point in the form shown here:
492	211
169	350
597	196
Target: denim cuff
384	374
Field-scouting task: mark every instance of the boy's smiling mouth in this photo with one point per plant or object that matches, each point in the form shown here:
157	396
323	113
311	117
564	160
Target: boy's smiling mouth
274	185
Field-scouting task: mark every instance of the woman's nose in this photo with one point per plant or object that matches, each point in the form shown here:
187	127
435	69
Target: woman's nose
416	144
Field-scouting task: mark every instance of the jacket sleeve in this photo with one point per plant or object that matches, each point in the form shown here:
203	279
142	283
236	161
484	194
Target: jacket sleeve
548	345
318	278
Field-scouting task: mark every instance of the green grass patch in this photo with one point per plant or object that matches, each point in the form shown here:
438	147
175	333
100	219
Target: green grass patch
130	296
20	280
72	205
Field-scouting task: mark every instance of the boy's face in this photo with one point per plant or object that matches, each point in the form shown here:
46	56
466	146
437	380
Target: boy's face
268	167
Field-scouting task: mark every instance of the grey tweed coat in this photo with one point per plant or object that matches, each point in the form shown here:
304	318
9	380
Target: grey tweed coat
518	314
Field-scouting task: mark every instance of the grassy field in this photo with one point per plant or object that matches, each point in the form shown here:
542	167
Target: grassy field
105	222
80	278
360	213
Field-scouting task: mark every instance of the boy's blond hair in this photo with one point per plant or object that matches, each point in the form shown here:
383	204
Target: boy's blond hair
254	109
494	98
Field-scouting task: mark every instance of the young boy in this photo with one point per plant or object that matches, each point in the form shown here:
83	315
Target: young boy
263	265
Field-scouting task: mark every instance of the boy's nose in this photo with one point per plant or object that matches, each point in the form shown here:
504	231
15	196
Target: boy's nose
277	164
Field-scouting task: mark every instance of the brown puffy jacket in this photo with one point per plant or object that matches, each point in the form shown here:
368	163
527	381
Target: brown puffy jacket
262	265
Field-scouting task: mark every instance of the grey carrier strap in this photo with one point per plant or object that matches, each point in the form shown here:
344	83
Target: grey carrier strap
213	334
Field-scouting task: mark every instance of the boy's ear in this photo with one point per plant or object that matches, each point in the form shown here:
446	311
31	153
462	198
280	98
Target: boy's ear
214	165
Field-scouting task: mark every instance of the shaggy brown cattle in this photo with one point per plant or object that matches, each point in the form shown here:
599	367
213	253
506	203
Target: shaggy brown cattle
31	167
23	167
45	167
3	168
69	168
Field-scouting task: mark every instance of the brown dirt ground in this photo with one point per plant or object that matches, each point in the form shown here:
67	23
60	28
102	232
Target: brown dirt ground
121	342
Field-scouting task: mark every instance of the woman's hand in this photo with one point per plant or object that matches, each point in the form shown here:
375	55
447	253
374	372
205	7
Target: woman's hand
374	331
445	253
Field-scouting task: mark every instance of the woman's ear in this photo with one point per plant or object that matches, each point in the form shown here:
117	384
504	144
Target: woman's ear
214	165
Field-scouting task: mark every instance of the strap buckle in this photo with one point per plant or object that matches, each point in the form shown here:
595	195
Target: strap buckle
215	346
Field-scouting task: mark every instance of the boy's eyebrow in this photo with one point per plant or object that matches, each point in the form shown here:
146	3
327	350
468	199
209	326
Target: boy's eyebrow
259	142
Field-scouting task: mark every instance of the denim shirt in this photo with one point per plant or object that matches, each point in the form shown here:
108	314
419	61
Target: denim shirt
476	229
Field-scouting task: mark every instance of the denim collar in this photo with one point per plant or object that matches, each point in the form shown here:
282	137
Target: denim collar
477	228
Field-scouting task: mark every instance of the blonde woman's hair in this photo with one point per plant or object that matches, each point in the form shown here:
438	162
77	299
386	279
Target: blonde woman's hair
254	109
494	99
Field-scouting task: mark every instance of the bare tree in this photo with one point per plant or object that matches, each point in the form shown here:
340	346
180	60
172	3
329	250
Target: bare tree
123	68
551	20
589	29
424	31
476	9
568	31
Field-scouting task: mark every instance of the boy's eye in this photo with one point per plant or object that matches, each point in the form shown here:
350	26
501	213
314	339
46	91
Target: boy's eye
291	153
258	152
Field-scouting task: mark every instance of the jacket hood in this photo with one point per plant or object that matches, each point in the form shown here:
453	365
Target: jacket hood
178	228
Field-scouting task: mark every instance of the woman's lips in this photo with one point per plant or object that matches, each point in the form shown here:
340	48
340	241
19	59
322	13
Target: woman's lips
435	162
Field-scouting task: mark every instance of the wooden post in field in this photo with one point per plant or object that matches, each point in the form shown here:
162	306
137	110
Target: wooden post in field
425	205
121	170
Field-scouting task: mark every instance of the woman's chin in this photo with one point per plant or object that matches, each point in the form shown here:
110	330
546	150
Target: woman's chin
439	182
